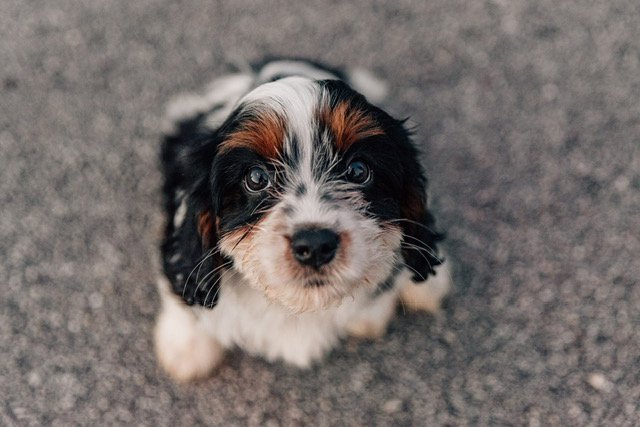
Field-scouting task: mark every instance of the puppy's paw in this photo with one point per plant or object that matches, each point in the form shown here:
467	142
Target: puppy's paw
368	329
427	295
371	322
182	349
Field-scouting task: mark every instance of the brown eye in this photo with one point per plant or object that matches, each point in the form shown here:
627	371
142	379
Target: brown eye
358	172
256	179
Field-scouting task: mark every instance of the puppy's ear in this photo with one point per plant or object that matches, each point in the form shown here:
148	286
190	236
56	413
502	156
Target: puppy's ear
190	256
419	247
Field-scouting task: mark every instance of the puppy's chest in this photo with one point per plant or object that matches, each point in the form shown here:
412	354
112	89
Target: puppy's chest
245	318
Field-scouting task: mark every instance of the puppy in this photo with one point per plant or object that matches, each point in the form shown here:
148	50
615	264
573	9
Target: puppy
296	215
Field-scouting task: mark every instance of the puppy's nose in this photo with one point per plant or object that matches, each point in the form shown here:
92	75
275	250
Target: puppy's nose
314	247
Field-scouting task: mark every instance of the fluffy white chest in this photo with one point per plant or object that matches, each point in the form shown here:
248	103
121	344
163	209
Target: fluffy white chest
190	341
245	318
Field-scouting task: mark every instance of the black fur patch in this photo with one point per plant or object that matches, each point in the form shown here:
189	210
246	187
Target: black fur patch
234	204
186	257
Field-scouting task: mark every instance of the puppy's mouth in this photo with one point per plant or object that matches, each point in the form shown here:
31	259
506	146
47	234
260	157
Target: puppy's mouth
314	283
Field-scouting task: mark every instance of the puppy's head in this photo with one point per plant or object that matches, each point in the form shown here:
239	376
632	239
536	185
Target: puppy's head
314	193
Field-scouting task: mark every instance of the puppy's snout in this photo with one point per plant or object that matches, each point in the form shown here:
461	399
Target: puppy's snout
314	247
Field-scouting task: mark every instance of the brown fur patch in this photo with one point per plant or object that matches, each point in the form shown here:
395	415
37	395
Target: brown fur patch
348	124
263	133
206	227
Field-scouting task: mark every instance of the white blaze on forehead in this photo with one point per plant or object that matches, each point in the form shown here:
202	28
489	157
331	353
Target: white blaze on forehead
295	100
309	208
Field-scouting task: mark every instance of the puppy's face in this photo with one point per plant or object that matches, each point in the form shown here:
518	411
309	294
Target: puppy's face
313	192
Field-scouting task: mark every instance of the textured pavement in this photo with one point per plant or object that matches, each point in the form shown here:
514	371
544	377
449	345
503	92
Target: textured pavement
528	113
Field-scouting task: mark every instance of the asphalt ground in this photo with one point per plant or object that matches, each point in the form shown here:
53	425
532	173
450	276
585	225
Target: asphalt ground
528	114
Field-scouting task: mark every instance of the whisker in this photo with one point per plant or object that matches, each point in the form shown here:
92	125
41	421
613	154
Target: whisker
425	248
421	254
211	287
215	270
204	257
442	265
425	245
246	233
209	274
429	229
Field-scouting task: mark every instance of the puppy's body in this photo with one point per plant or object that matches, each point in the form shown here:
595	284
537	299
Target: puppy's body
296	216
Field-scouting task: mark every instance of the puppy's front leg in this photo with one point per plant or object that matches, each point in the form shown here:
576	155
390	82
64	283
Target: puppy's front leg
372	320
183	349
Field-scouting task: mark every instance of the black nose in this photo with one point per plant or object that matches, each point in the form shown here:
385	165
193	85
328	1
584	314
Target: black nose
314	247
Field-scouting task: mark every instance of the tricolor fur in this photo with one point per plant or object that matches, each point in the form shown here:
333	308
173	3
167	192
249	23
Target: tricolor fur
259	171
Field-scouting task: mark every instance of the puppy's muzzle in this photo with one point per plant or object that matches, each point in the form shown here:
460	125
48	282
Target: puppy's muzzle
314	247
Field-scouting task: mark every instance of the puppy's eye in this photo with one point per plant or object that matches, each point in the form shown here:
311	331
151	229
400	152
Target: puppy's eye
256	179
358	172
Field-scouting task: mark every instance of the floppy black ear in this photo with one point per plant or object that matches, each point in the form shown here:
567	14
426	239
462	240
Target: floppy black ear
419	248
190	257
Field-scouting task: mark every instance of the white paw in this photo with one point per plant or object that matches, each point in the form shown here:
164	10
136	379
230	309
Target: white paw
427	295
183	350
372	320
367	329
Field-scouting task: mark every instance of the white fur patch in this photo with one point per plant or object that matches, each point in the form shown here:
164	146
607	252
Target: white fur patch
218	99
371	86
178	218
245	318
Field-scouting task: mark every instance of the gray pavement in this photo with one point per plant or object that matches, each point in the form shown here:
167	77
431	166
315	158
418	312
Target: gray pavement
529	116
